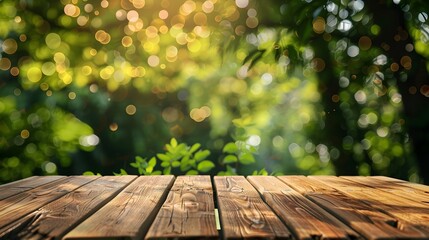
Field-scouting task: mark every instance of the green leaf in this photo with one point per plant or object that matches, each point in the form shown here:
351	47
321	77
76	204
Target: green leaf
201	155
230	159
134	165
157	173
175	164
192	172
230	148
184	164
205	166
230	170
263	172
165	164
173	142
167	171
194	148
88	173
163	157
152	162
246	158
122	172
139	159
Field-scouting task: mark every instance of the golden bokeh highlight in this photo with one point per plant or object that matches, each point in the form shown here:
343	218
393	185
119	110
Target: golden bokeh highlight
127	41
72	95
113	127
131	109
319	25
133	16
163	14
394	67
200	114
406	62
104	4
71	10
102	36
252	22
318	64
9	46
208	6
424	90
5	64
138	3
44	86
14	71
25	134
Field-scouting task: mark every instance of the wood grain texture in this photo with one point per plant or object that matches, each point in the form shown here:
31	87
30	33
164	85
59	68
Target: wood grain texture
187	212
13	188
129	214
56	218
243	213
18	206
408	213
361	217
303	217
401	191
416	186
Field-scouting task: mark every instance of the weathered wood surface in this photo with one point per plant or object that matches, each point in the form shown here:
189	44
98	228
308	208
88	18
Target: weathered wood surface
363	218
188	210
129	214
415	186
243	213
410	215
58	217
165	207
403	190
18	206
25	184
305	219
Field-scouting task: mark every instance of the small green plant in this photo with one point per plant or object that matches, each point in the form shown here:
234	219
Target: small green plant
237	153
182	159
179	158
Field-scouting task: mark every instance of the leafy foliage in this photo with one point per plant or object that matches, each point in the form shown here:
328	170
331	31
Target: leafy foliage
298	87
182	159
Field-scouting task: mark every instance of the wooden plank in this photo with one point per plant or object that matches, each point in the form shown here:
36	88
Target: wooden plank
303	217
58	217
402	191
13	188
187	212
361	217
409	212
416	186
129	214
243	213
18	206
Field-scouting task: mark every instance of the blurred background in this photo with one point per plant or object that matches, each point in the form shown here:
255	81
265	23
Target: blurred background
312	87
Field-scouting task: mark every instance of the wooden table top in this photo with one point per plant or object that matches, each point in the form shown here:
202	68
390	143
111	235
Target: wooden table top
267	207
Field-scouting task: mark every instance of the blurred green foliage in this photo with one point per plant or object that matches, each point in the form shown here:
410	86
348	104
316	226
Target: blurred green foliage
293	87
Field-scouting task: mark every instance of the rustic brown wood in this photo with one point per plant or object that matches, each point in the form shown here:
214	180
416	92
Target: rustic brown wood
187	212
13	188
243	213
402	191
303	217
407	212
364	219
18	206
416	186
129	214
56	218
